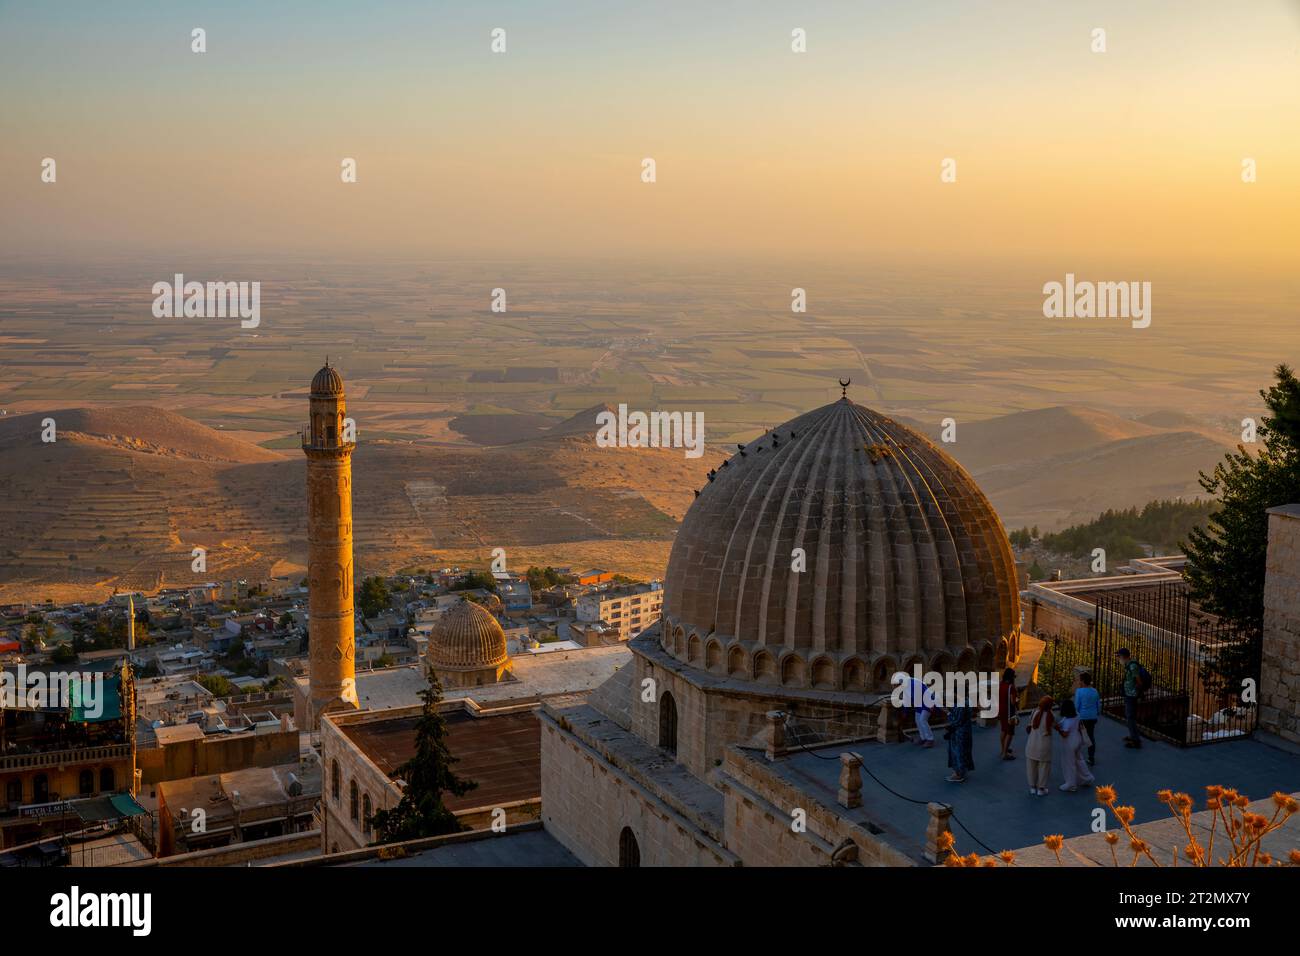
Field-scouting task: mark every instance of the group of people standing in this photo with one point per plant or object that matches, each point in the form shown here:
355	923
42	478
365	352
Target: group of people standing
1076	726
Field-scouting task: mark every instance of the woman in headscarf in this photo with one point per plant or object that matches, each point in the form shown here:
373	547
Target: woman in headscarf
961	754
1038	751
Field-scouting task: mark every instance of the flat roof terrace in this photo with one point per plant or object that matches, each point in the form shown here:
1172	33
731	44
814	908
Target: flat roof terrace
994	802
533	848
501	753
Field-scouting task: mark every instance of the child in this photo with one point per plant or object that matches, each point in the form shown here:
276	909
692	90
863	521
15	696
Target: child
1075	736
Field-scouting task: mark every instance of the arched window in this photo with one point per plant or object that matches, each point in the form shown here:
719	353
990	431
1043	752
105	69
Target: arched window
629	854
693	649
668	724
365	813
14	792
107	779
352	800
40	788
336	781
86	782
792	671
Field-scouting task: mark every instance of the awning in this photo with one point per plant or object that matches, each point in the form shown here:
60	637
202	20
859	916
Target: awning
125	804
110	708
117	806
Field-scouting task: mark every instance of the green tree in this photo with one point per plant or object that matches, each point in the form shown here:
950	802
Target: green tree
541	578
63	654
1161	524
216	684
427	776
475	579
373	596
1227	558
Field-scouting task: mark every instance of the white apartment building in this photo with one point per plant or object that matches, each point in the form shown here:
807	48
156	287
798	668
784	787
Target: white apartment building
629	609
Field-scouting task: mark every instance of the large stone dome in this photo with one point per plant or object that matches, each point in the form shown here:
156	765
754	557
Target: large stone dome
466	638
906	560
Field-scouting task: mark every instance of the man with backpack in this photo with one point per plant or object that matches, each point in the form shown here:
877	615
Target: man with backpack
1137	680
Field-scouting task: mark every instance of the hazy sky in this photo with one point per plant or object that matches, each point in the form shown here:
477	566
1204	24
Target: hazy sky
1132	155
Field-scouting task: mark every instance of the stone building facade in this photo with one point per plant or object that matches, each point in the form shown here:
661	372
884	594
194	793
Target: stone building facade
361	751
1279	688
628	610
615	800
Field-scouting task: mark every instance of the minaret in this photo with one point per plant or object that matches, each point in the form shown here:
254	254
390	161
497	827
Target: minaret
130	621
330	623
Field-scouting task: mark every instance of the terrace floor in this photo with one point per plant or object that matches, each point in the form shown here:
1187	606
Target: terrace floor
531	848
995	804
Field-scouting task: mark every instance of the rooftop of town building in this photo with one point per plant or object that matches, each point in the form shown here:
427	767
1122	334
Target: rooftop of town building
501	752
535	675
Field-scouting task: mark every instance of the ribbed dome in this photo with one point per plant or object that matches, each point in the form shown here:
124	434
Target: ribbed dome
905	558
327	382
466	637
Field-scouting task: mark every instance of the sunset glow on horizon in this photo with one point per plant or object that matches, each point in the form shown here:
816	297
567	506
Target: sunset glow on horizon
833	154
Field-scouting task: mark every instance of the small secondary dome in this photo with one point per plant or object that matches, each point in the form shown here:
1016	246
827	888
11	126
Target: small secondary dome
466	638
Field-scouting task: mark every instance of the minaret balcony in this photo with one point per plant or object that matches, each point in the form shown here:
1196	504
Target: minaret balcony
325	444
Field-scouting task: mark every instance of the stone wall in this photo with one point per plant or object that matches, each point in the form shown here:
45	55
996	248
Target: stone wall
1279	688
216	754
710	721
1046	621
242	854
592	788
587	801
760	817
692	747
339	832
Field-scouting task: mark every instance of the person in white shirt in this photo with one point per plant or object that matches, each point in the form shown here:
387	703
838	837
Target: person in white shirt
923	702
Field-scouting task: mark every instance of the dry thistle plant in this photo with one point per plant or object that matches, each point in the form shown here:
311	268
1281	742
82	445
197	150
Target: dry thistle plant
1239	832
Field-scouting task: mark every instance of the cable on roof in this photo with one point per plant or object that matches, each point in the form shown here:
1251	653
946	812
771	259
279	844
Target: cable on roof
951	809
